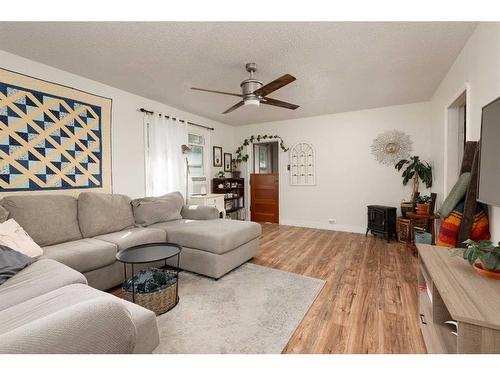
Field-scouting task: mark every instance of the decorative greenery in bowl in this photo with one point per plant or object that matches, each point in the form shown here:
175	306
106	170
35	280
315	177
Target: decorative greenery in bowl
484	256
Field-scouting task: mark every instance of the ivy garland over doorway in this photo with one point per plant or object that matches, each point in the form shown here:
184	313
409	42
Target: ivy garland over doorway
240	157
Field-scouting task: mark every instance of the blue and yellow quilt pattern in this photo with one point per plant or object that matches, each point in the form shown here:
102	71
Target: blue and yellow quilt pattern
48	142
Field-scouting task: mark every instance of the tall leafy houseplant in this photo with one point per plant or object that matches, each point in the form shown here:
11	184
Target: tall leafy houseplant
415	170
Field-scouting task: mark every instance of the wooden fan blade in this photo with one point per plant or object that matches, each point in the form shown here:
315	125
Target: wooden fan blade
237	105
217	92
274	85
278	103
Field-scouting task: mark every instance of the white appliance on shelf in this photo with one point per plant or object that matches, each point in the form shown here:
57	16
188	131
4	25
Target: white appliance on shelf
214	200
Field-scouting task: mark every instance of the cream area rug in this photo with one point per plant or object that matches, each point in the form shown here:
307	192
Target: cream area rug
253	309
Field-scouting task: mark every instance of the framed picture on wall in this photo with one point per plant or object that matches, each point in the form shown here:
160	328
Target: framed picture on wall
227	162
217	156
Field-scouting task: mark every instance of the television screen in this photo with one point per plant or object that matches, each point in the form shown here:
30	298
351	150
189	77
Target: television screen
489	167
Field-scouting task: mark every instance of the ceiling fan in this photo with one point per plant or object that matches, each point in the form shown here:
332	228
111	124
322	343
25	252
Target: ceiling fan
255	93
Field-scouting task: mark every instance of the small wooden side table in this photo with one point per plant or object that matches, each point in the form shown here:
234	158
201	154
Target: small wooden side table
427	221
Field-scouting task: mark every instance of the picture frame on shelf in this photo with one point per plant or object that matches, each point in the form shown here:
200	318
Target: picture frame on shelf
227	161
217	156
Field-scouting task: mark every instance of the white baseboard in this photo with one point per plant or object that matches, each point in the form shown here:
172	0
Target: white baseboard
321	225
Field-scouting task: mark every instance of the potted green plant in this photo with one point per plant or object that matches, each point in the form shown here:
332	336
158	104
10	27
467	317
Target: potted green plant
415	170
423	204
484	256
221	174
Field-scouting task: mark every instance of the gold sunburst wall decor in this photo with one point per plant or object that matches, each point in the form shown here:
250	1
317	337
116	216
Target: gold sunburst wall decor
391	146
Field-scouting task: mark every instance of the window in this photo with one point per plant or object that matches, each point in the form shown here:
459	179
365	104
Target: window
195	158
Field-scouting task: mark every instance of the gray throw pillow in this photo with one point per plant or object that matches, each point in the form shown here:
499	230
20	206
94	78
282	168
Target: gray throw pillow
11	262
151	210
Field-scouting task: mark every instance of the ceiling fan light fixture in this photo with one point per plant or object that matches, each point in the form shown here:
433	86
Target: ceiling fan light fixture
254	102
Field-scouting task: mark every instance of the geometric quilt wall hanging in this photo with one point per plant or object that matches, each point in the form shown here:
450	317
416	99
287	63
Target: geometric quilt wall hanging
52	137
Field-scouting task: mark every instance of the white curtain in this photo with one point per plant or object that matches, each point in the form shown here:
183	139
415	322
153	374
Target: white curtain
165	163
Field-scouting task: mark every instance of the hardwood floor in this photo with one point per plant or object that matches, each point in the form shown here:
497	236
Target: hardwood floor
369	302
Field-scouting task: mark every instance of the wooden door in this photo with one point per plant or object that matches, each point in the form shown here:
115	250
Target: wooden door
264	205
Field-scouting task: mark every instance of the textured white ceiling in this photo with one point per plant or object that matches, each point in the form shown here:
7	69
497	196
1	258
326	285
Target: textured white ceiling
339	66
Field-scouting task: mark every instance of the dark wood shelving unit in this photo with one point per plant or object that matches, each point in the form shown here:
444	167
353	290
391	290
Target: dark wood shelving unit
234	196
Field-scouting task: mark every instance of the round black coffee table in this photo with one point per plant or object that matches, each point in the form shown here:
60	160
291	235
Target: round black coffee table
148	253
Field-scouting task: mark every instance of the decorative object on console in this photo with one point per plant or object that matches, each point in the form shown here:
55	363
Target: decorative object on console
221	174
217	156
391	146
415	170
228	160
302	165
484	256
52	137
382	220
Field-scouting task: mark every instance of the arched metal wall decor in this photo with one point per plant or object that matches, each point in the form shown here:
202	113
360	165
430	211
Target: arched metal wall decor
302	165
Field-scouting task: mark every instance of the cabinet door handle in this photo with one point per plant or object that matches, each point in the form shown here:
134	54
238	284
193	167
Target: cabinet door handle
422	320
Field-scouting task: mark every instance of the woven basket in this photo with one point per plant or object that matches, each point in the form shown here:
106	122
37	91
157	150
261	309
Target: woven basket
159	302
405	208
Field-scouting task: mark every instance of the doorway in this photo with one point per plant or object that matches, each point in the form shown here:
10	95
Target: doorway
455	136
264	183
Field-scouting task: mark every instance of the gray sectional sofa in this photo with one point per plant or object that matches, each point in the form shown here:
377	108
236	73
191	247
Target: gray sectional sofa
53	306
86	233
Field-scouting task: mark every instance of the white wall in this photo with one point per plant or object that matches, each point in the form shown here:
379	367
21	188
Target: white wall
127	133
347	177
478	65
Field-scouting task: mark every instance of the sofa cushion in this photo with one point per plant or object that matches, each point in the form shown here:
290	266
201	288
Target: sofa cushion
152	210
83	255
144	320
216	236
133	236
194	212
4	214
12	262
48	219
100	326
100	213
41	277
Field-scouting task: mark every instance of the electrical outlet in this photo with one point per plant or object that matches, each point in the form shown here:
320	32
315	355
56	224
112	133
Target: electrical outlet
331	221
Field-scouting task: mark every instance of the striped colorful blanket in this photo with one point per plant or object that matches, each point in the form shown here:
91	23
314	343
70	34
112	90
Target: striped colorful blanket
448	231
